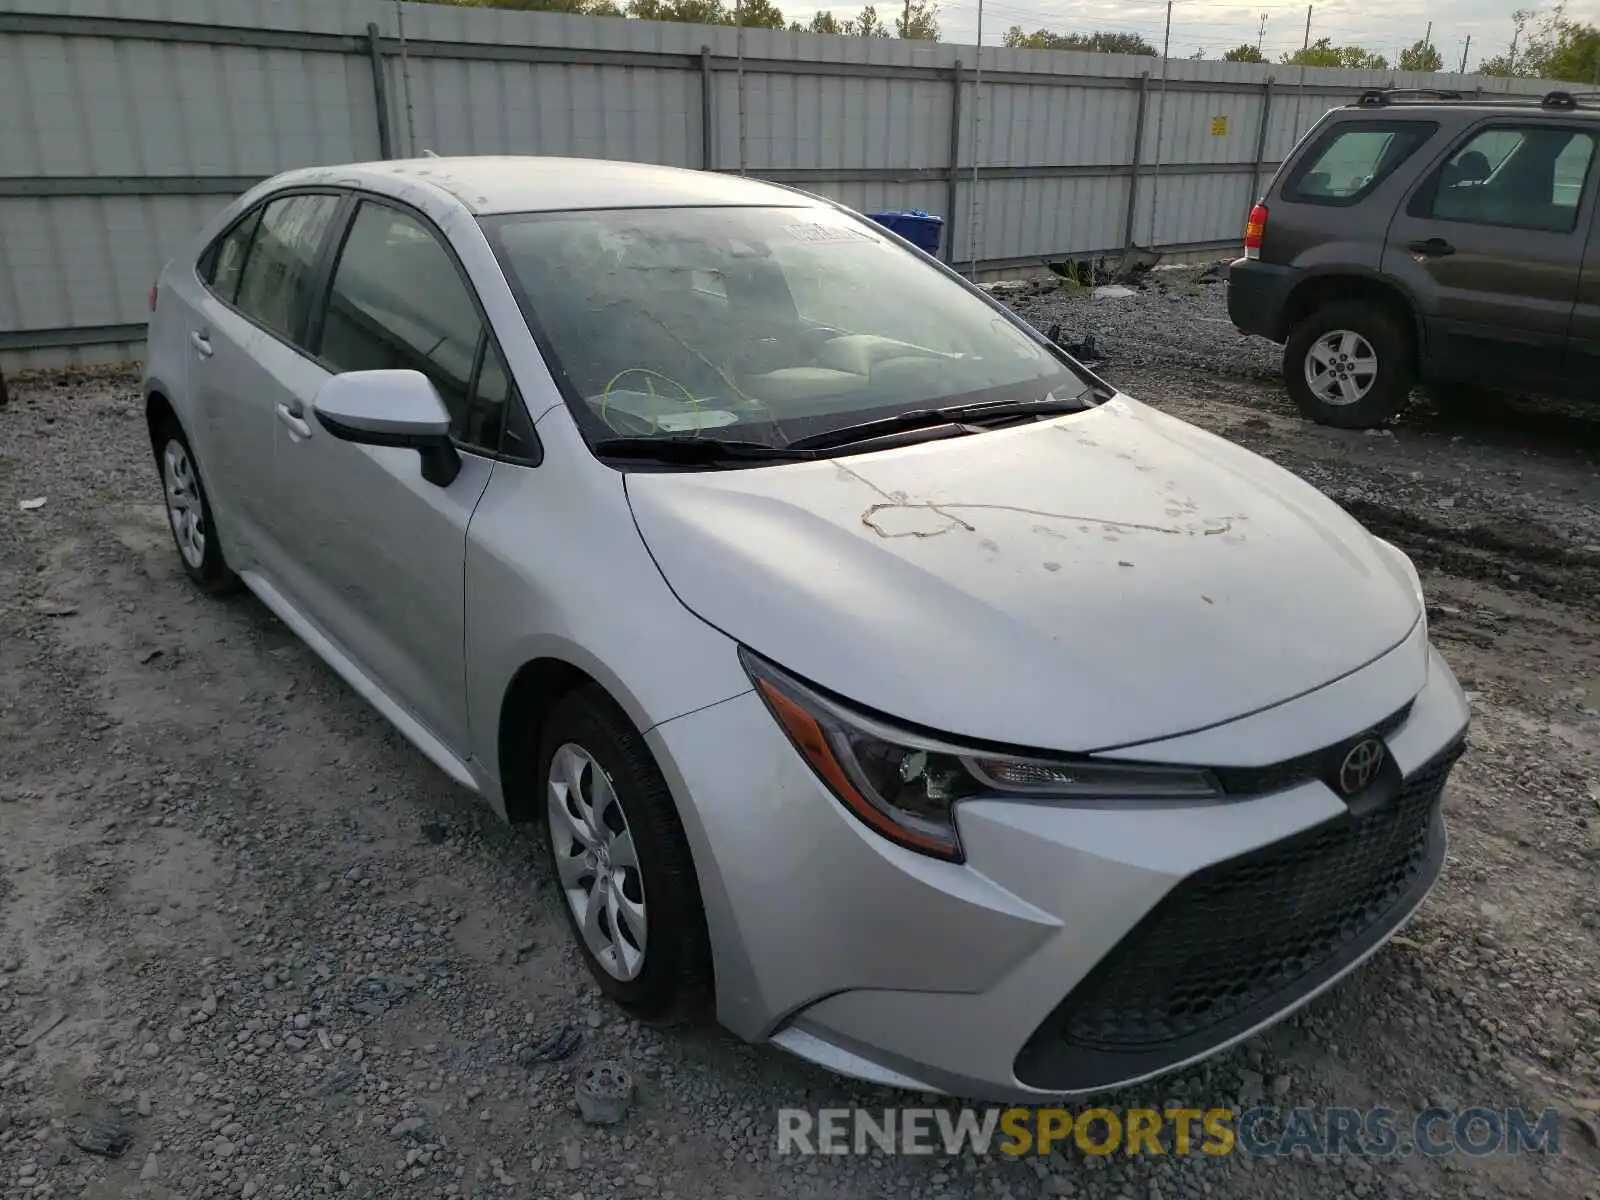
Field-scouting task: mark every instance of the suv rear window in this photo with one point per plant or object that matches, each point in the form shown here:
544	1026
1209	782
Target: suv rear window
1351	159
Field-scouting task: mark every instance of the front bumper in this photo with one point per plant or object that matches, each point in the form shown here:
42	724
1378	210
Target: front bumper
1077	949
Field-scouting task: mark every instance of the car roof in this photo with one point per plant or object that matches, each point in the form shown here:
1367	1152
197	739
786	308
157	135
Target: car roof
488	185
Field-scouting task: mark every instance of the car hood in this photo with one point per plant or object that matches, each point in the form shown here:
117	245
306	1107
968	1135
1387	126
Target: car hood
1101	579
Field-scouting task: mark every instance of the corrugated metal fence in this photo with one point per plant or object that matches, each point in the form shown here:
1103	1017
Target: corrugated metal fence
125	123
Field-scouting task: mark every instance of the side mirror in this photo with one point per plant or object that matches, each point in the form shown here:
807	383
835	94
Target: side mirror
391	408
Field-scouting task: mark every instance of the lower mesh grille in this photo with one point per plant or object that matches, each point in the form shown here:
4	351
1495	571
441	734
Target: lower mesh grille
1242	933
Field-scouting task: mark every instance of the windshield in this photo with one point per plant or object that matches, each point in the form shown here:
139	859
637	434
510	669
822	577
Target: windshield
763	325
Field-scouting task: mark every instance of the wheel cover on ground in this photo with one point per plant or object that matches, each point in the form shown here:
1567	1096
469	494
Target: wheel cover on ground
1341	367
596	862
185	508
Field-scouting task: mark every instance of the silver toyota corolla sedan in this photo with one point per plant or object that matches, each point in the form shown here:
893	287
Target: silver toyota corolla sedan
881	676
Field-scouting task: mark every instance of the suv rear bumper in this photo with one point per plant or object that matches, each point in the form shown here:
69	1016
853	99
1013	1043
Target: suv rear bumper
1258	295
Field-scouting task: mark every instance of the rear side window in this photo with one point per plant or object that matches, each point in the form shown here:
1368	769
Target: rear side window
224	262
1517	177
1343	165
276	283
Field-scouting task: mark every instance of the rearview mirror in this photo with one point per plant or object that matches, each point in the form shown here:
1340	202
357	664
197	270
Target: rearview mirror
391	408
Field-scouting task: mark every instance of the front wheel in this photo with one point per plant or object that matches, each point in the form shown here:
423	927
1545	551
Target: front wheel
621	860
1348	364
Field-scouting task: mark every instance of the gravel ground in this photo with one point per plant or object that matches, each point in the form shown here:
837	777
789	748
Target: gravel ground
255	942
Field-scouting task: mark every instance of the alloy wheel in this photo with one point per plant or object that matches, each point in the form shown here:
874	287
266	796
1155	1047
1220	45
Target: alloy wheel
185	506
1341	367
596	861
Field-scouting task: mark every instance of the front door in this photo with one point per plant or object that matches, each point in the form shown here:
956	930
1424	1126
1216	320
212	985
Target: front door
1491	243
377	552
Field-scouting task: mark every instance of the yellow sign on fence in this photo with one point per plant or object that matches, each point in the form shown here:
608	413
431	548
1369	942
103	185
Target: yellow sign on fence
1219	126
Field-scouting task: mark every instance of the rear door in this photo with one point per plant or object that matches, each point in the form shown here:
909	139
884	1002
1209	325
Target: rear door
1583	350
1491	242
377	553
247	359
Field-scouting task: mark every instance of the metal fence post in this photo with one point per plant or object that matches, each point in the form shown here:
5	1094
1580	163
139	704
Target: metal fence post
1261	140
708	155
953	173
1138	159
380	91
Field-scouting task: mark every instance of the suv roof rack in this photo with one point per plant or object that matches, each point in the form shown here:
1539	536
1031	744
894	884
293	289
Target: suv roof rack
1377	97
1570	100
1559	101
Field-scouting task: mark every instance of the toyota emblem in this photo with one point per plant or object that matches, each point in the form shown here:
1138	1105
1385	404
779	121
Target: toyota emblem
1360	766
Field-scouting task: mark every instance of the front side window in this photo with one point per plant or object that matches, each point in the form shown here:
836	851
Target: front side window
763	324
1521	177
1349	161
397	302
278	273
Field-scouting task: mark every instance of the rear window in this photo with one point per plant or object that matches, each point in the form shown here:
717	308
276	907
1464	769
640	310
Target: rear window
1343	165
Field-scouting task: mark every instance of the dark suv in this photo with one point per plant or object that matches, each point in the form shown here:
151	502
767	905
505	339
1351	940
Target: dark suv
1419	236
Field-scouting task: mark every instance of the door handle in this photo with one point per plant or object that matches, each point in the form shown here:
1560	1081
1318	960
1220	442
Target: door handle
298	428
201	343
1434	247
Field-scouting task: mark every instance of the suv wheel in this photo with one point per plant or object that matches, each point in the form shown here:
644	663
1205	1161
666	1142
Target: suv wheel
1348	364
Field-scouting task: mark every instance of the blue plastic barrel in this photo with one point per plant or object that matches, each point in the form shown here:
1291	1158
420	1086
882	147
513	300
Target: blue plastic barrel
917	227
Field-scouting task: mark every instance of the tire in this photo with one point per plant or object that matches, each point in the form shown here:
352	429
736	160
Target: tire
1369	346
199	548
597	773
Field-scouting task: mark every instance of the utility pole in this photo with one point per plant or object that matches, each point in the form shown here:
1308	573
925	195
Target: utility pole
1427	38
1261	33
977	125
1464	52
1307	43
1161	119
738	18
905	21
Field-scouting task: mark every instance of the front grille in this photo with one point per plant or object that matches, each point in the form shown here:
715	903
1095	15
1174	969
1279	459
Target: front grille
1319	764
1233	940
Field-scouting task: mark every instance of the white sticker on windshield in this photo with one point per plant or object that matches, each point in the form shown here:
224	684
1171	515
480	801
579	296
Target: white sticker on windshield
690	422
829	233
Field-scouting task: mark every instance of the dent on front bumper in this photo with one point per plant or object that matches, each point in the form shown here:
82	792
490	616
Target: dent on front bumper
1011	977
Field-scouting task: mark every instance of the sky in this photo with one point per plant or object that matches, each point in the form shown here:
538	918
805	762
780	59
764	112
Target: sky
1384	26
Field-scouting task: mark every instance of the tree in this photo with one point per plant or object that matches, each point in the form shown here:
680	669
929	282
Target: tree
694	12
1421	56
867	24
1244	53
758	14
591	8
1099	43
1555	48
1323	53
821	22
918	21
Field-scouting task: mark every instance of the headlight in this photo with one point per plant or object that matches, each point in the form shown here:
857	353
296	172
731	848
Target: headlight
906	785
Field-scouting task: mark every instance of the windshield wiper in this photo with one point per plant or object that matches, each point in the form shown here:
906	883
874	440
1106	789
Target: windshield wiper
696	450
953	414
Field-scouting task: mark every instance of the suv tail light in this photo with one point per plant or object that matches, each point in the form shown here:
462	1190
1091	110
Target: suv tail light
1255	229
155	292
